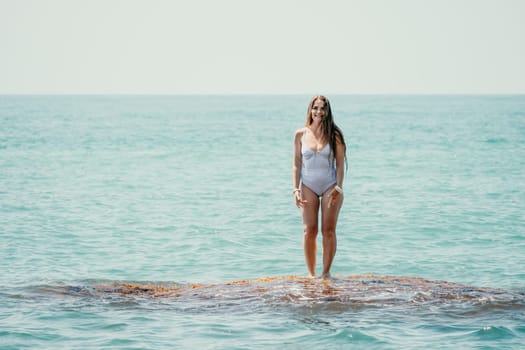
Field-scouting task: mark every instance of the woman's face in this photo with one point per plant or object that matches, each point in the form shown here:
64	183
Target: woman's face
318	111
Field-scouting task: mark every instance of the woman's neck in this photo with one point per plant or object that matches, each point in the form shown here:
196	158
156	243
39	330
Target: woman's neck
315	128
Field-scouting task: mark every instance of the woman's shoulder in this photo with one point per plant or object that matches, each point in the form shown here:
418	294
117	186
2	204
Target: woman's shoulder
300	132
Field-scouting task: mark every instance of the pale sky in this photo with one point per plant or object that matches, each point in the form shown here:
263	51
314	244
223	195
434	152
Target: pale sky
262	46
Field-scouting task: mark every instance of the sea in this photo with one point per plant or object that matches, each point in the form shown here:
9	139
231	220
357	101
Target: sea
168	222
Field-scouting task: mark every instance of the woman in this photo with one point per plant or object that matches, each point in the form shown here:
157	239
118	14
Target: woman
317	177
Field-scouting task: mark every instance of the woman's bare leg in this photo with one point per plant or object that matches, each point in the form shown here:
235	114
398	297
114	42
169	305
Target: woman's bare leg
329	223
310	213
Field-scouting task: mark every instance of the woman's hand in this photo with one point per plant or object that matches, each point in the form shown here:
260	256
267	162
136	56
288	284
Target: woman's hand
333	196
299	201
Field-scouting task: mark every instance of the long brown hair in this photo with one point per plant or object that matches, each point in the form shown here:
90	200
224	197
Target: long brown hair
329	130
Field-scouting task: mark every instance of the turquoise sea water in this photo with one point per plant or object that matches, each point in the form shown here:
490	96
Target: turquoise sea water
186	190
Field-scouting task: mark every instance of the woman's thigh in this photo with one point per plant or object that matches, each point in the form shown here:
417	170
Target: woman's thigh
310	210
330	215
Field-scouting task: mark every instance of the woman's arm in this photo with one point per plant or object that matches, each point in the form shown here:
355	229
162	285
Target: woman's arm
297	159
340	173
340	162
296	168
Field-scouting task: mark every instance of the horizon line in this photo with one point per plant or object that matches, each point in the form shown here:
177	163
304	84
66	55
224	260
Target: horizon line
275	94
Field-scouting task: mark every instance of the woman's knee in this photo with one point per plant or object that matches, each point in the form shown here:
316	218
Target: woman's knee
329	232
310	231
